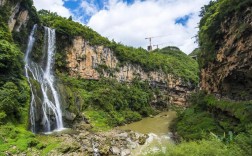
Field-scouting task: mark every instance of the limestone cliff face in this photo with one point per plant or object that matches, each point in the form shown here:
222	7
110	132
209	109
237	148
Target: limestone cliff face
230	74
18	17
94	62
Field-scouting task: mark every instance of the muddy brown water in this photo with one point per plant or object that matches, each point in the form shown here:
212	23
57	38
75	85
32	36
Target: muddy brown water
157	128
158	124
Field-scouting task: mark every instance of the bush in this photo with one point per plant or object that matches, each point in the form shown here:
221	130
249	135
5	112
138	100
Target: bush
119	103
210	33
193	125
203	147
16	136
9	104
168	60
10	64
229	120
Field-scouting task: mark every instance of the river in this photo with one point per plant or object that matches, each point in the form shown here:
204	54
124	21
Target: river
157	128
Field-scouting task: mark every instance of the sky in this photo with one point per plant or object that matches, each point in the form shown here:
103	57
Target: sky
169	22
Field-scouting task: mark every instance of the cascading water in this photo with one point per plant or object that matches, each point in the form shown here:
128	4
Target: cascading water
48	103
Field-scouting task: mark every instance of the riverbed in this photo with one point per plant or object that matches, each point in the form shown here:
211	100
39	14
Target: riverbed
157	128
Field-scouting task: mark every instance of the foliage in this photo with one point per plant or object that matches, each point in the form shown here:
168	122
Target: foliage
14	136
240	110
211	34
211	147
4	31
10	55
210	114
21	36
70	28
5	13
15	140
103	121
169	60
9	99
46	144
14	101
99	119
195	52
228	121
10	64
196	125
13	91
118	103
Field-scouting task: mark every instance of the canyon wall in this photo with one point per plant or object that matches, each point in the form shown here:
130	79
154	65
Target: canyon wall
19	15
230	74
95	62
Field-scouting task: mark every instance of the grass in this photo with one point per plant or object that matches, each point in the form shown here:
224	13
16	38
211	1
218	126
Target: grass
47	143
16	139
210	147
98	119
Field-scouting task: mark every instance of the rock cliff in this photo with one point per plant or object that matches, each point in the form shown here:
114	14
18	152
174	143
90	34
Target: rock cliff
95	62
19	15
230	74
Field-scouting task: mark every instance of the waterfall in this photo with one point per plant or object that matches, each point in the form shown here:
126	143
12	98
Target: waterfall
45	111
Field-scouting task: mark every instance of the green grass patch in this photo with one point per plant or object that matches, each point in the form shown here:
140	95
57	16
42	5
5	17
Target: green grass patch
103	121
98	119
47	143
210	147
228	121
16	139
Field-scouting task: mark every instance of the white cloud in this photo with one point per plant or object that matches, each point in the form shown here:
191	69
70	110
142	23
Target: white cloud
130	24
53	5
88	8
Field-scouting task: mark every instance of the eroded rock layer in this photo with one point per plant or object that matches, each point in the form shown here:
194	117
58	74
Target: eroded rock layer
94	62
230	74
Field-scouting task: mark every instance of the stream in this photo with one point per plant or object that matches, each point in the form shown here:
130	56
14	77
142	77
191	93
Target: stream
157	128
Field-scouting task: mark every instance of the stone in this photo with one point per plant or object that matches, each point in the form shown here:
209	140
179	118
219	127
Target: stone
69	147
22	19
142	139
229	74
83	60
104	149
115	150
83	126
14	11
83	135
69	115
122	135
125	152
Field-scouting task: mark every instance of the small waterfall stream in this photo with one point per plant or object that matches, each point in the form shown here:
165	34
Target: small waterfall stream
50	115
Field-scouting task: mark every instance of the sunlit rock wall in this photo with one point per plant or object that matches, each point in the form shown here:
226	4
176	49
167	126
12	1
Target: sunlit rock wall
94	62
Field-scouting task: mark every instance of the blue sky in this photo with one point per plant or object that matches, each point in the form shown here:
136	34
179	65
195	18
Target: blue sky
76	7
131	21
77	10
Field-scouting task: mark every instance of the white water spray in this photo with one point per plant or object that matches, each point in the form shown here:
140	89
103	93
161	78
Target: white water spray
49	104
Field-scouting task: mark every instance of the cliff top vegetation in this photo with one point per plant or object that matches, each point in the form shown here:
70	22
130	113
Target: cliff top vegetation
211	36
169	60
